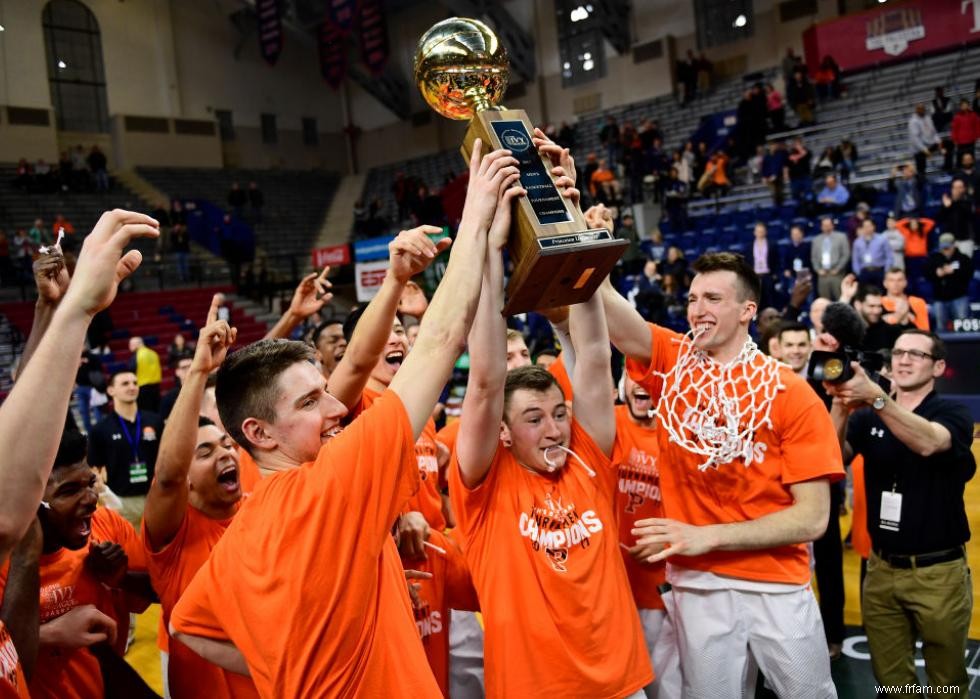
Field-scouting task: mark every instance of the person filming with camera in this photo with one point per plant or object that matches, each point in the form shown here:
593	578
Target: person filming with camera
916	448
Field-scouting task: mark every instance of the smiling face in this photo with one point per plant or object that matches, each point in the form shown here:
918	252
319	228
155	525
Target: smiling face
911	373
794	348
124	388
870	309
534	423
71	494
392	357
638	401
306	415
214	476
718	314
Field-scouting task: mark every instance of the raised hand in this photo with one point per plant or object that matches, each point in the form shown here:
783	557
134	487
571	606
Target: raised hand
566	185
502	217
412	251
488	175
214	340
311	294
51	277
79	627
599	216
413	301
102	263
559	157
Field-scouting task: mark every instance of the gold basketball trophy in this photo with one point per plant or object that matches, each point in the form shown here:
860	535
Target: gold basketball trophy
462	71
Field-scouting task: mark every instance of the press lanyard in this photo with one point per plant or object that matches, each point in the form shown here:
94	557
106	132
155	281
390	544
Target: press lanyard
135	446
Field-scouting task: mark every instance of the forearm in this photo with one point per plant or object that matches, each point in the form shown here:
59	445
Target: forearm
20	611
918	434
39	399
43	312
166	503
284	326
445	325
567	349
367	343
627	329
591	376
139	591
224	654
488	336
798	523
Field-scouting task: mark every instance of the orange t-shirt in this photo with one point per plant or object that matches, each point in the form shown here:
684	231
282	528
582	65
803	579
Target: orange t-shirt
638	497
544	557
171	570
448	435
449	588
248	478
66	584
920	312
428	499
307	582
12	682
248	473
801	445
558	370
916	242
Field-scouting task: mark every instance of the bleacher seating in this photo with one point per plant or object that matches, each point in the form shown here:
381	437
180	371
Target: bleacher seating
156	317
429	169
296	202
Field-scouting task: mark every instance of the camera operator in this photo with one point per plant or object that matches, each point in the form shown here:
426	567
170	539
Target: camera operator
840	328
916	449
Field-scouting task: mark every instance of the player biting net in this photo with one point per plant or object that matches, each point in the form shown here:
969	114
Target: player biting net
746	457
533	491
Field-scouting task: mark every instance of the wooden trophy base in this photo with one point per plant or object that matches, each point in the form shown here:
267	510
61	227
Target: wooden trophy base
558	259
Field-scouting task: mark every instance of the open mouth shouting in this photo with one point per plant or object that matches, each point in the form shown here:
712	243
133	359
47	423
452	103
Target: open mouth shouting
395	359
228	478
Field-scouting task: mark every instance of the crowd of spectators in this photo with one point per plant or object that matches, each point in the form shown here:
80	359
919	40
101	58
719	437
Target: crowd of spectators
77	170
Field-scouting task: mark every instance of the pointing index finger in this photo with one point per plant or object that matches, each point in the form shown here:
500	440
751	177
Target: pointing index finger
213	311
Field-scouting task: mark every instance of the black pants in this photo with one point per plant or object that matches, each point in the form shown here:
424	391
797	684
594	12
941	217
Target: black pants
829	555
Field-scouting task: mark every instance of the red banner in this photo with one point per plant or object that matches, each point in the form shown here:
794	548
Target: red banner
270	30
374	36
893	32
341	14
334	255
333	54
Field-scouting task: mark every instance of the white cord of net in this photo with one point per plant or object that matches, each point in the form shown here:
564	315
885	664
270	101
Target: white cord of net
713	409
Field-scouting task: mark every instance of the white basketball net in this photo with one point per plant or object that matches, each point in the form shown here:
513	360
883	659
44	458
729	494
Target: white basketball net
712	409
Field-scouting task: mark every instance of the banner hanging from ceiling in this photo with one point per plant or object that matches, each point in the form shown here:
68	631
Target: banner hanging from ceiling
333	54
374	36
270	30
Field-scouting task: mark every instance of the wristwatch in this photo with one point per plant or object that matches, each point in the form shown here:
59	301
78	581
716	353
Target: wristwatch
879	402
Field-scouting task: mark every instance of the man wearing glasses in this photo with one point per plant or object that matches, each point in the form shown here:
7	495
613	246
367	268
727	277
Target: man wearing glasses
917	457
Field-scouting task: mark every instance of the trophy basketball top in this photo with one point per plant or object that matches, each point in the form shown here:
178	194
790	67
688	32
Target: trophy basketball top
461	68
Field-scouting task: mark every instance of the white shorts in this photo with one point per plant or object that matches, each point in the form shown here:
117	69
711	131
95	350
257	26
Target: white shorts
465	656
725	636
658	630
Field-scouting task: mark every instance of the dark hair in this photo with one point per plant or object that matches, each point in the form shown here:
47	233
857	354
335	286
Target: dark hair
315	337
791	326
72	450
354	317
843	323
204	421
113	375
749	287
248	382
866	290
896	270
528	378
938	346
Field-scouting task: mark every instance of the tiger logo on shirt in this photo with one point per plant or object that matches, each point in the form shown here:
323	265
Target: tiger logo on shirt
555	529
639	479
